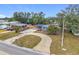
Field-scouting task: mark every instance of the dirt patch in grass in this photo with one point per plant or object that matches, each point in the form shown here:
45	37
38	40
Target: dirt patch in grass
5	36
28	41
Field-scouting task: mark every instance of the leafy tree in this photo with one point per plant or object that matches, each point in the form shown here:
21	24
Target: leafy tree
11	19
22	16
72	16
52	29
69	18
31	18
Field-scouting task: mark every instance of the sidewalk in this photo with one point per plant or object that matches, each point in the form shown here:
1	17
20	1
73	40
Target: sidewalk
45	43
3	53
43	46
23	33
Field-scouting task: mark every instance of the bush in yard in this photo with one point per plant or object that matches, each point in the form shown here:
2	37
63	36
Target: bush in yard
17	29
52	30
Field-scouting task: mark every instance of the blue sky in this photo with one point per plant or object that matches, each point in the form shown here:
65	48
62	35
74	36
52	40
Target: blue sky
48	9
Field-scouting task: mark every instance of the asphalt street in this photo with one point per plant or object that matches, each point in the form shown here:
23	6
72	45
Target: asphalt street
14	50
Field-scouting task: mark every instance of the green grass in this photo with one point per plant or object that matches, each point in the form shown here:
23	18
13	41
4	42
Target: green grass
28	41
71	43
5	36
2	31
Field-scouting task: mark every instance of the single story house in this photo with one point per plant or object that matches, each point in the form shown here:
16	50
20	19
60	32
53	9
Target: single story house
42	26
4	22
4	26
45	26
76	32
9	25
16	23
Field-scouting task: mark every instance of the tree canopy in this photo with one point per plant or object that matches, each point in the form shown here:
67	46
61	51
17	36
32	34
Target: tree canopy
69	14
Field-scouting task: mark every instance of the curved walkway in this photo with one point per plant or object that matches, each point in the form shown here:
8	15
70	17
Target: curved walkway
44	45
23	33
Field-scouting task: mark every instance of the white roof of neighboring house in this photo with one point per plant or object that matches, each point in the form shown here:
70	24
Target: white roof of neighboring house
42	25
3	26
3	22
16	23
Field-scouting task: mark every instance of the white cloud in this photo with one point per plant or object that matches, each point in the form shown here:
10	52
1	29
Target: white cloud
2	16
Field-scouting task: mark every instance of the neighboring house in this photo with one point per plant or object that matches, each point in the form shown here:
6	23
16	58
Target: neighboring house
4	26
76	32
45	26
42	26
55	24
4	22
16	23
8	25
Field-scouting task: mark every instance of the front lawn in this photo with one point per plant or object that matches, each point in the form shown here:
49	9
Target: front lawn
5	36
71	43
28	41
2	31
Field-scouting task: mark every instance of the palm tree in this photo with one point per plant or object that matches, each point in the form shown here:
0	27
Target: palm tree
61	20
68	17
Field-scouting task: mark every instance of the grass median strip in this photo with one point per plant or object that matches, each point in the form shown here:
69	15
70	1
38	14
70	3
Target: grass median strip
8	35
28	41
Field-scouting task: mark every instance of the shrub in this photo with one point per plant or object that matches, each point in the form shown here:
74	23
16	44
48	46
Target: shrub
53	30
17	29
